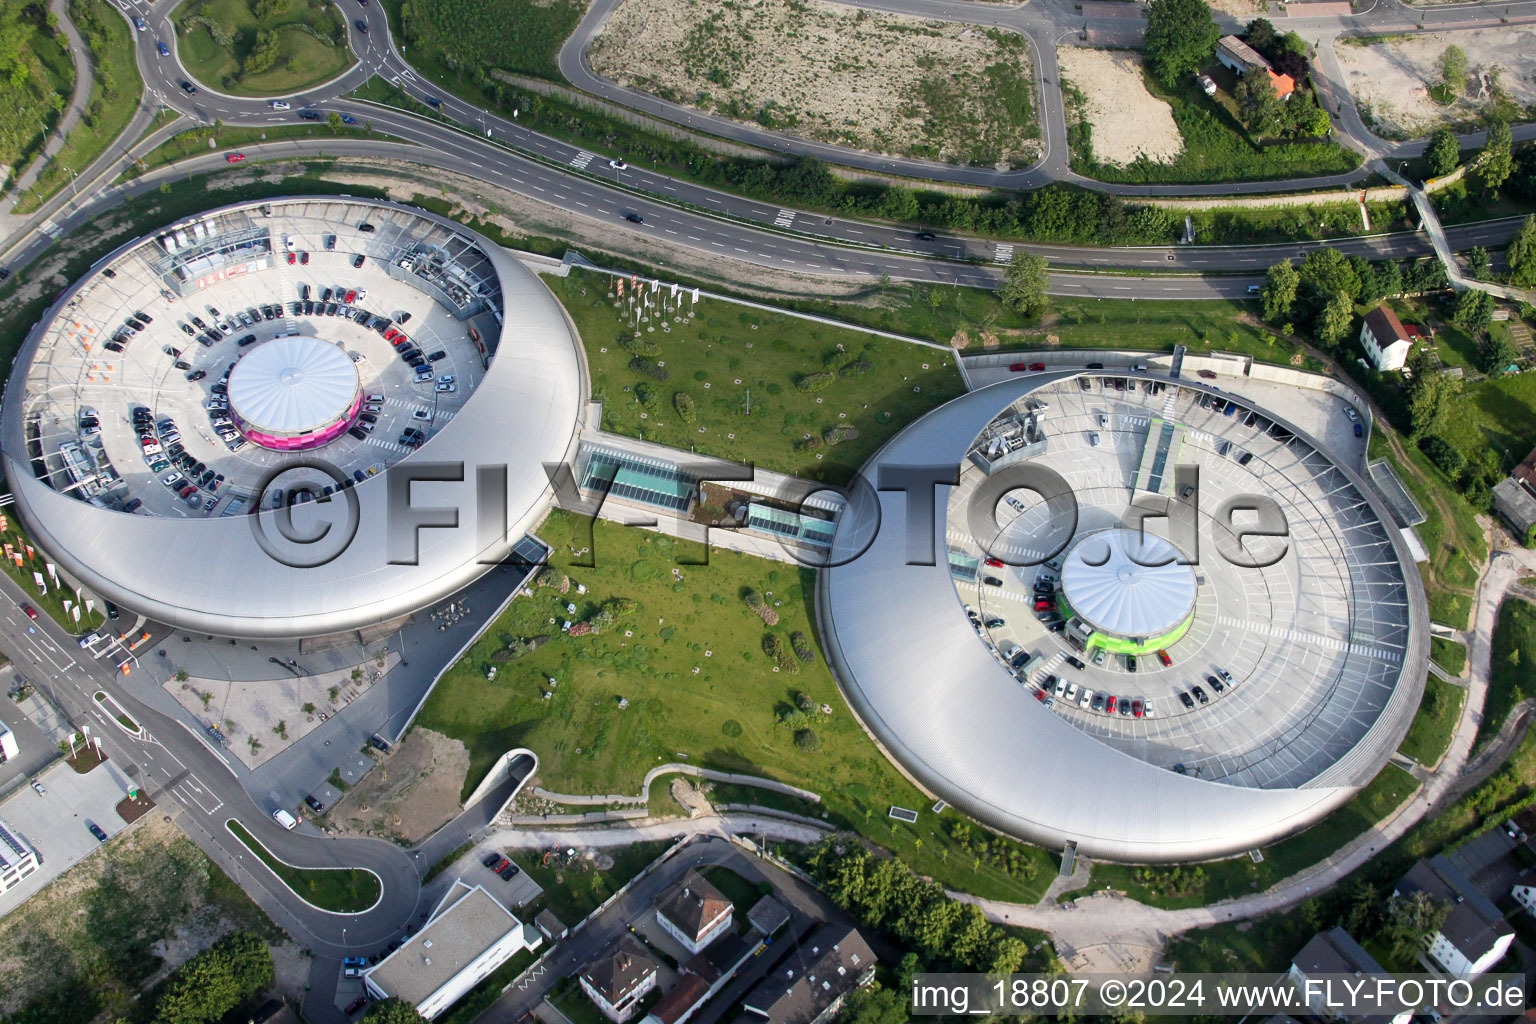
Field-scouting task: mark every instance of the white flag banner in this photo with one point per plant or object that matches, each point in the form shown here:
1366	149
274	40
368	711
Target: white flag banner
75	611
695	295
53	571
37	578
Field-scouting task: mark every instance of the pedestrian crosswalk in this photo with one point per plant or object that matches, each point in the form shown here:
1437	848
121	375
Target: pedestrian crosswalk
784	219
580	160
1004	254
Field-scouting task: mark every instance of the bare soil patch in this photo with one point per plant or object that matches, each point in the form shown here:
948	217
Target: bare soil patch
1127	121
1391	78
411	794
873	81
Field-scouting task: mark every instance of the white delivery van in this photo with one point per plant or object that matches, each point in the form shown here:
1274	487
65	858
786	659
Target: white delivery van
284	819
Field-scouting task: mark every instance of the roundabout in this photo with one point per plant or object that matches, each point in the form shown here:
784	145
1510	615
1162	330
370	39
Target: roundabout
1109	644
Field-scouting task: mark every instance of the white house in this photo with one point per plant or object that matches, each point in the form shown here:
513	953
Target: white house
1385	339
469	935
8	747
1524	891
1475	935
619	979
694	912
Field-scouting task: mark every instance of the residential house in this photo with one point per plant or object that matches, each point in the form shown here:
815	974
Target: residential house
694	912
1524	891
1475	935
1233	53
619	979
700	978
1336	952
828	965
1514	497
768	915
1385	339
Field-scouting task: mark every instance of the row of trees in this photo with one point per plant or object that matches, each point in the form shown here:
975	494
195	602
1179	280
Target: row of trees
885	895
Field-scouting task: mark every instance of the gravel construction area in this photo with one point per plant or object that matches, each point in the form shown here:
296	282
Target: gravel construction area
411	794
1127	121
1391	79
825	71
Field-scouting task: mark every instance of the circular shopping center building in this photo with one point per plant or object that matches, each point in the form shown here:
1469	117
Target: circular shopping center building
1142	616
213	426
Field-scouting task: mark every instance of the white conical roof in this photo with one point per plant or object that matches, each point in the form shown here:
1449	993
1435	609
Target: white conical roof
293	385
1128	583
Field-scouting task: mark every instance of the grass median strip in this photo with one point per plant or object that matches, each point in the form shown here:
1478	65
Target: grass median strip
339	890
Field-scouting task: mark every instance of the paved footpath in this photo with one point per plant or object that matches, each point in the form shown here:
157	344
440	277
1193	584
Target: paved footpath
77	103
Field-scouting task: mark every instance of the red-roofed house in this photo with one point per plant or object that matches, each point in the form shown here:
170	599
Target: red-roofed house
1232	52
1385	339
1284	84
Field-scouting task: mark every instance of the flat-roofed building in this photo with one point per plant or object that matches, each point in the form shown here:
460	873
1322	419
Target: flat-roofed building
469	935
8	745
18	859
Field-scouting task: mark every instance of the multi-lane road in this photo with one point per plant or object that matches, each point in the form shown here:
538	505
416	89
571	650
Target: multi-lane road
708	221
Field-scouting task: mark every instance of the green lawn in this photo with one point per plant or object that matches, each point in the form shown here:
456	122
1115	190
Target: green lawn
311	39
1241	225
1456	544
229	137
1216	147
1511	675
1497	415
115	93
485	36
50	603
1435	724
740	367
339	890
38	81
1197	885
1448	654
573	891
721	716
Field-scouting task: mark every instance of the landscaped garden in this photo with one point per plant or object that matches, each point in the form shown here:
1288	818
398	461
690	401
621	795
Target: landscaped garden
1512	678
1435	724
262	48
750	385
715	665
1200	884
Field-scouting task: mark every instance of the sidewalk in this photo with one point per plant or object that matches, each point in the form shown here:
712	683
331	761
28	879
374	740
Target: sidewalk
72	114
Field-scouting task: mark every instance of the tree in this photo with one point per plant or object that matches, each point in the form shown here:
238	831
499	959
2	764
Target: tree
1328	271
215	981
1429	397
1496	162
1474	308
874	1004
1180	35
1477	262
1336	319
393	1011
1024	285
1279	292
1261	35
263	55
1444	152
1453	68
1521	255
1262	112
333	121
1411	919
1496	353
